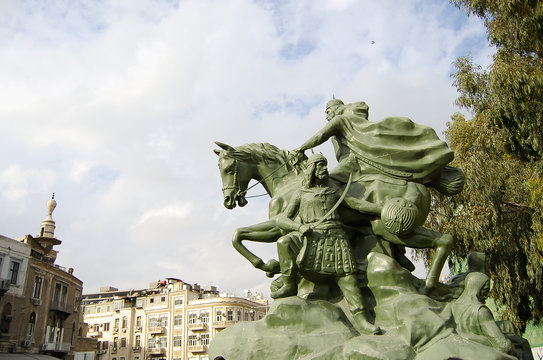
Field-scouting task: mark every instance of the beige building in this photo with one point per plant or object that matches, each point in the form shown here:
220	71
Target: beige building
39	300
172	320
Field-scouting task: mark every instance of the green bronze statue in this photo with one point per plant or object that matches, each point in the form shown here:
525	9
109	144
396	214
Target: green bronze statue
316	245
393	161
340	237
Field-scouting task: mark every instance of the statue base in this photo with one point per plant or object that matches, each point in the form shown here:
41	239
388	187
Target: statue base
415	327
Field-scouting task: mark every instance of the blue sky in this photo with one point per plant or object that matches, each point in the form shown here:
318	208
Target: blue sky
114	106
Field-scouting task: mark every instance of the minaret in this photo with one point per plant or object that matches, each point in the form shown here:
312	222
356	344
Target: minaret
48	224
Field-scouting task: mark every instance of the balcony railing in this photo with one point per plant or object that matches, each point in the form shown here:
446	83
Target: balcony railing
197	326
61	307
93	333
197	348
156	351
156	330
223	324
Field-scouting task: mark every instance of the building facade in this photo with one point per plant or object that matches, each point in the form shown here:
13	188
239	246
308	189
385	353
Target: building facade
171	320
40	301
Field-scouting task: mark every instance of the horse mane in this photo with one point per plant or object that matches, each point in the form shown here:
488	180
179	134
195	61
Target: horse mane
258	152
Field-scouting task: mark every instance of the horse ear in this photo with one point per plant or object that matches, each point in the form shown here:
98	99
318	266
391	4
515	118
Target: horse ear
224	146
217	151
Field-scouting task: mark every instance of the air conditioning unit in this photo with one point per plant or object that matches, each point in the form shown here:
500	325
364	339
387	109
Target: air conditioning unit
36	302
5	284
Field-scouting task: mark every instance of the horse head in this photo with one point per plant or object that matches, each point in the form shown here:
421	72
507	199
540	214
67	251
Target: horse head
235	175
260	161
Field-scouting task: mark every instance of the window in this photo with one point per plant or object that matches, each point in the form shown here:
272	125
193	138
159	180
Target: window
115	341
123	342
106	326
151	343
239	315
204	315
178	341
14	271
218	315
96	327
98	309
31	324
138	321
178	301
192	318
60	294
163	341
246	316
117	323
56	293
204	339
125	322
63	295
151	300
163	299
178	320
193	340
138	340
229	315
36	292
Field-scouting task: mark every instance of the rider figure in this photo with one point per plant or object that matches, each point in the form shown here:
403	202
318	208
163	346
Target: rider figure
392	159
316	243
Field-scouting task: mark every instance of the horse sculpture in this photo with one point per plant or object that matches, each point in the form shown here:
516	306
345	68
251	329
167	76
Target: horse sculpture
279	176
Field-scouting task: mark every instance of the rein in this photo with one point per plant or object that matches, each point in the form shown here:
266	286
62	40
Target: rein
237	186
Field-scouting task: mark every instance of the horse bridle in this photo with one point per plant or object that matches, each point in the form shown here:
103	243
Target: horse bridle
237	185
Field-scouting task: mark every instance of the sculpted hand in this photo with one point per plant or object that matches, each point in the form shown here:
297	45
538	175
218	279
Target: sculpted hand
271	268
305	230
296	156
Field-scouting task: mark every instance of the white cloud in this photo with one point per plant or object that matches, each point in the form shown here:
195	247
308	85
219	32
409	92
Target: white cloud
175	211
115	107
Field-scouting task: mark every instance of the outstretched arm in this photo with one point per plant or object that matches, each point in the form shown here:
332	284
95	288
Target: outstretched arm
330	129
363	206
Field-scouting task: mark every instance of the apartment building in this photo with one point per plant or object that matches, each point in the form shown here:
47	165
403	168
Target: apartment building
39	300
172	320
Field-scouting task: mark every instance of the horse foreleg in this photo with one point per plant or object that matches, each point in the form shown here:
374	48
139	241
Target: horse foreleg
266	232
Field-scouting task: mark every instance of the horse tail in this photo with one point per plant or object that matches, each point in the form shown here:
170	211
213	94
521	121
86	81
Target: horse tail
450	181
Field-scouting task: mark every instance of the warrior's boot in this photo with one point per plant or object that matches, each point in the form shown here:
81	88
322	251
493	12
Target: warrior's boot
364	326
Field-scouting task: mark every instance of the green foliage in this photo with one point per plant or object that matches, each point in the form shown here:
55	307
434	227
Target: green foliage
500	150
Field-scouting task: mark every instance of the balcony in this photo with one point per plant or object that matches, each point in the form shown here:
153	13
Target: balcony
61	307
223	324
156	330
156	351
197	326
93	333
197	348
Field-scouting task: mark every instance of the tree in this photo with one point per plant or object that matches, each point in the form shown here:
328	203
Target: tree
500	150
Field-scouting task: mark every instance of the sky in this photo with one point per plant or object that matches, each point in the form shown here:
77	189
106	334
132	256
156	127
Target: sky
115	106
